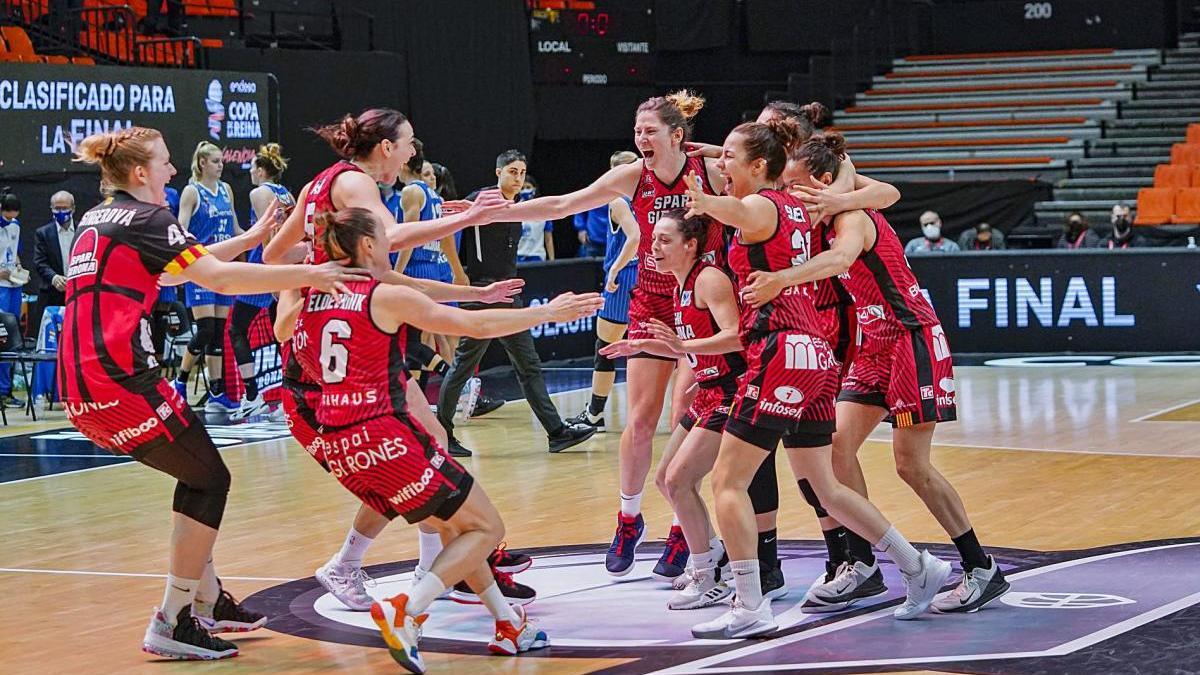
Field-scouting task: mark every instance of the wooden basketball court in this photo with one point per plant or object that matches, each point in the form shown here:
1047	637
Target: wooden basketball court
1047	459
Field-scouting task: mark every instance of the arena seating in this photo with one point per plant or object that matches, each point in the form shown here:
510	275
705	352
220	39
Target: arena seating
15	45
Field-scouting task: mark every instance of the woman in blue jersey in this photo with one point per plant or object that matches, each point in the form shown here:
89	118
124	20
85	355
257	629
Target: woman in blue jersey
265	171
206	210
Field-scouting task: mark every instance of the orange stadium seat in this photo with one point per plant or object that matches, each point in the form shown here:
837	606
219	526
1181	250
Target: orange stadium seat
1155	206
1187	206
1193	133
83	60
1187	154
18	43
1172	176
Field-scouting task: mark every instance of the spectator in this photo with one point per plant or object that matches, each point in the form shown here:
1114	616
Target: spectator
932	241
1077	234
153	23
982	237
537	237
1122	235
52	249
592	229
11	275
445	182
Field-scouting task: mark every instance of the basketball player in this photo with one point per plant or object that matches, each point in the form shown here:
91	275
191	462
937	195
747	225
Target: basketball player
206	210
903	373
790	384
265	171
705	331
383	455
620	275
655	185
110	382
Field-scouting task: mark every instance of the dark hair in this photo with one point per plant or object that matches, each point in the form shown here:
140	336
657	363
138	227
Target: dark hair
532	181
818	113
793	111
823	153
357	136
270	159
773	141
342	230
508	157
1082	218
445	182
418	159
9	201
676	109
694	228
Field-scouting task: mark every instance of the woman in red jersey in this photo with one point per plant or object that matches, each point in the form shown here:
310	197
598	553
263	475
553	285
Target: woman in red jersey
705	332
790	383
903	373
655	185
110	381
353	346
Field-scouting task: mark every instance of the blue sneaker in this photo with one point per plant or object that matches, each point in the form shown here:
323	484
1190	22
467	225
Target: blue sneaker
630	532
180	388
674	557
221	404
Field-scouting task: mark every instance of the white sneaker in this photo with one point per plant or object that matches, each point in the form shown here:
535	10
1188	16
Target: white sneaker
853	582
738	622
702	590
184	640
400	631
681	582
976	589
250	407
511	640
922	586
347	584
467	400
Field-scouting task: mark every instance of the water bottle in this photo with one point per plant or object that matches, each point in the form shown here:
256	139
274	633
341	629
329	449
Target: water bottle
1191	242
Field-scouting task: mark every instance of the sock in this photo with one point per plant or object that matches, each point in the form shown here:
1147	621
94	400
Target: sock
251	387
596	407
179	593
746	581
353	549
631	505
768	548
216	386
494	600
860	549
207	591
441	367
835	545
183	375
970	551
423	380
674	522
430	545
902	552
705	560
423	593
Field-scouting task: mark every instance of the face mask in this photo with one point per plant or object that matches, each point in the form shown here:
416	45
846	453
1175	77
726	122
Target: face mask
62	217
932	231
1121	226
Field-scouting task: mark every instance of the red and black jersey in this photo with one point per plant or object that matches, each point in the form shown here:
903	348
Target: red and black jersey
121	248
293	373
834	301
359	366
691	323
319	199
790	244
885	290
653	198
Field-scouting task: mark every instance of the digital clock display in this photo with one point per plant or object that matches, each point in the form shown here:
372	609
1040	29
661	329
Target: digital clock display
591	42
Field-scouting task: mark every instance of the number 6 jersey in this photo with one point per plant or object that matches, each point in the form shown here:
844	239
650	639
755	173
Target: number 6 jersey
359	366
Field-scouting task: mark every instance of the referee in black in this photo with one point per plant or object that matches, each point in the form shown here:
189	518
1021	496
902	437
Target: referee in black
489	254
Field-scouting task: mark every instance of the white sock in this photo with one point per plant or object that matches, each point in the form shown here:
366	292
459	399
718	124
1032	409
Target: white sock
747	582
705	560
717	547
179	593
423	593
429	546
207	591
907	558
631	505
674	521
354	548
495	602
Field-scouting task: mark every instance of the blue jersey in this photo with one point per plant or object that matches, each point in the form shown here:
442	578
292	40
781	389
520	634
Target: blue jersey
616	241
213	220
255	255
430	252
392	202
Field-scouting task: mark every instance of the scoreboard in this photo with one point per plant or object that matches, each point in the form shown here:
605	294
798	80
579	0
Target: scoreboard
591	42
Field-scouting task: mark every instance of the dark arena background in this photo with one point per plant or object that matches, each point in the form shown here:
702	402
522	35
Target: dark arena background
1054	145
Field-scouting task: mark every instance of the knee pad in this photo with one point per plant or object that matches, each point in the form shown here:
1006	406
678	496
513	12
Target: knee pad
764	487
216	343
205	330
603	363
204	502
810	496
420	355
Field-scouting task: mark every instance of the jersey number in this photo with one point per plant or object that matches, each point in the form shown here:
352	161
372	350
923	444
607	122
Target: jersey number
334	355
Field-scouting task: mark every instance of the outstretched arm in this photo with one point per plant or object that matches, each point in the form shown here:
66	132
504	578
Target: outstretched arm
619	181
855	234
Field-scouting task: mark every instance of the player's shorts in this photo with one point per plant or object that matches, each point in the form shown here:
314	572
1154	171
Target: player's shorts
136	423
432	271
396	468
259	300
616	304
299	403
787	392
910	375
644	306
195	295
710	409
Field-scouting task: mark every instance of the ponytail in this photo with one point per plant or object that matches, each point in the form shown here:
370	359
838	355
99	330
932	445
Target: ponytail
823	154
341	231
774	141
355	137
117	153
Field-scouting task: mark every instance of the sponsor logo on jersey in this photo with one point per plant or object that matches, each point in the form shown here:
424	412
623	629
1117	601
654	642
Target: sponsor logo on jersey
648	193
751	391
83	253
780	410
710	372
709	257
871	314
789	394
914	290
685	298
927	392
73	408
802	353
414	488
164	410
947	384
123	436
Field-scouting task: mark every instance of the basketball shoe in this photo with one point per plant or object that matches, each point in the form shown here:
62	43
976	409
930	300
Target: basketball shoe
467	400
739	622
514	592
486	404
400	631
186	639
250	407
631	530
347	584
180	388
586	418
504	560
674	557
703	589
922	586
220	403
226	615
511	640
774	586
976	589
853	581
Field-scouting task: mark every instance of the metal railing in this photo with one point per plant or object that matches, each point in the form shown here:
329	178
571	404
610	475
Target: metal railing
180	52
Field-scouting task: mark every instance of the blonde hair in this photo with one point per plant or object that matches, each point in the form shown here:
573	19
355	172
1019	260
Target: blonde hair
676	109
270	159
203	149
117	153
621	157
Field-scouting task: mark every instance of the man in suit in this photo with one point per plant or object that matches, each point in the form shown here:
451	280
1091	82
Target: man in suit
53	247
